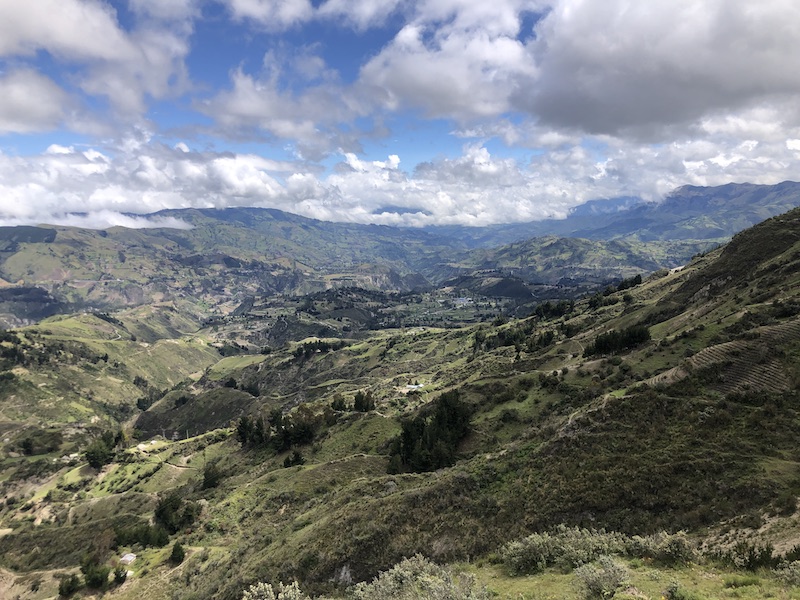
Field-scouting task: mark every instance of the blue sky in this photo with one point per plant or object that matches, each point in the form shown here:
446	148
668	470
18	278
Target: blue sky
445	111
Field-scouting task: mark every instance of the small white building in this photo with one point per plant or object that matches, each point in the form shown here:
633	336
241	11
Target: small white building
128	558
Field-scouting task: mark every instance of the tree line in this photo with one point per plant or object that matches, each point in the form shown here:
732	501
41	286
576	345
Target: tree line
429	441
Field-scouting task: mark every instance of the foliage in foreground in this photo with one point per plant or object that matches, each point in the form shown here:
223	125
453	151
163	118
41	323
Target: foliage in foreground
414	578
571	547
603	579
417	578
265	591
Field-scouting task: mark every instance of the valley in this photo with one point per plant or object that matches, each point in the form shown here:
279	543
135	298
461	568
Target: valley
288	407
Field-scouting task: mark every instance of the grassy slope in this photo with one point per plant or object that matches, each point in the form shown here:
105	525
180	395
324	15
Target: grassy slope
556	437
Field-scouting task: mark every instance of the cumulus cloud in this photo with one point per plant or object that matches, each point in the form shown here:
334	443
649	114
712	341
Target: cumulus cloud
311	119
360	13
30	102
84	36
458	59
273	14
68	29
643	69
156	70
475	188
604	98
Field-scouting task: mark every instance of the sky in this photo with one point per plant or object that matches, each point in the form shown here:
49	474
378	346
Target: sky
398	112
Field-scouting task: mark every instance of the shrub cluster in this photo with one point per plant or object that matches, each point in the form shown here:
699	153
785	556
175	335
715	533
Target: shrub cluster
417	578
414	578
619	341
565	547
363	402
603	579
279	432
265	591
308	349
144	535
789	573
429	441
570	547
174	513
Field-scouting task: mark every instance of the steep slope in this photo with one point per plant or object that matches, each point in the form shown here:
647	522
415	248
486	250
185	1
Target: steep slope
334	458
572	260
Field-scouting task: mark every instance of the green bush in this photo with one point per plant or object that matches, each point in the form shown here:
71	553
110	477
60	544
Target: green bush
429	441
143	534
674	591
601	580
95	575
789	573
212	475
414	578
417	578
178	554
69	585
566	547
752	557
120	575
99	453
264	591
667	548
174	513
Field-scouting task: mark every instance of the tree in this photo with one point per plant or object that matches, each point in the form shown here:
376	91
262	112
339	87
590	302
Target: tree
173	513
212	475
69	585
295	458
27	446
178	554
363	402
338	403
95	574
429	441
244	430
99	453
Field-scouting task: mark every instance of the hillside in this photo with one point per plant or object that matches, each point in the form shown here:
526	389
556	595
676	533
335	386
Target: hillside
300	441
223	257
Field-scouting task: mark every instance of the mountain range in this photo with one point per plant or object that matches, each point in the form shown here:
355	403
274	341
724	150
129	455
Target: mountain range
643	427
224	256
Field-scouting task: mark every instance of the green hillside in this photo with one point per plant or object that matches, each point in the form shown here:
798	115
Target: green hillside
304	441
223	257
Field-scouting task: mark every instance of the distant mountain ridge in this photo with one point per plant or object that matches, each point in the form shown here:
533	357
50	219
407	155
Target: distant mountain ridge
688	213
233	253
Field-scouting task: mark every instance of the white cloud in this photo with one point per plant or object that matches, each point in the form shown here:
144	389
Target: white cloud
68	29
475	188
105	219
311	119
360	13
30	102
157	70
611	98
456	59
166	10
644	68
97	55
272	14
